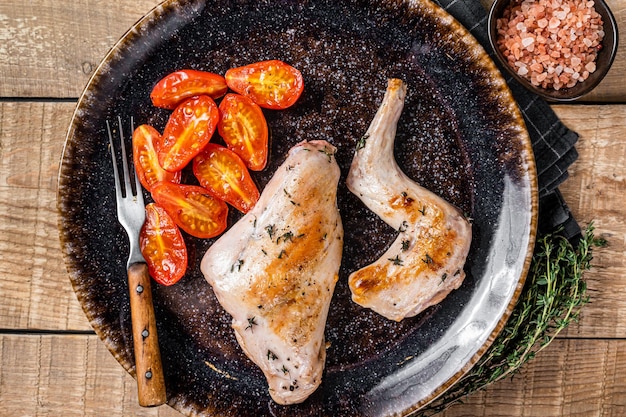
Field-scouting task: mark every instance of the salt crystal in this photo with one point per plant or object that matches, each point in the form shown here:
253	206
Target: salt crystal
554	23
561	15
591	66
527	41
542	23
522	71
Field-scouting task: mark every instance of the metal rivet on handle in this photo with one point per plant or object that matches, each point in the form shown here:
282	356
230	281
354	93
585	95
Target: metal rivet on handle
139	289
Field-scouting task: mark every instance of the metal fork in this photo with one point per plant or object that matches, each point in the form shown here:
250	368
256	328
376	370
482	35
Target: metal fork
131	215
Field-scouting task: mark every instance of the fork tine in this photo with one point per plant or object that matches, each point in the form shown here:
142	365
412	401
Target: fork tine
128	189
138	189
131	186
118	189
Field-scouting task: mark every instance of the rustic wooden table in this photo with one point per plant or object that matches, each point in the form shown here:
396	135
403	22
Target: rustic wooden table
52	363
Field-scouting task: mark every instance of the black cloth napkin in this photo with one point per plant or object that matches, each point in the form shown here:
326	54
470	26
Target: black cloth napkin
552	142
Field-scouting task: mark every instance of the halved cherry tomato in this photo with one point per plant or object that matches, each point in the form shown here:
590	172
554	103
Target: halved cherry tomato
146	141
192	207
243	127
187	131
270	84
223	173
172	89
163	246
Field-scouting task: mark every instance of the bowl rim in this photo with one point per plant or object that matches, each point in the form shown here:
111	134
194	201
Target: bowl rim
609	26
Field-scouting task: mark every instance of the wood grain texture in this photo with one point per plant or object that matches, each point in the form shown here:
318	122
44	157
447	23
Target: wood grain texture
60	42
575	378
148	365
595	192
32	261
76	376
71	375
50	49
35	292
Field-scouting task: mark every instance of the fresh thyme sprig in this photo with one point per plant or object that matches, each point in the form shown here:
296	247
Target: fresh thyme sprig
553	295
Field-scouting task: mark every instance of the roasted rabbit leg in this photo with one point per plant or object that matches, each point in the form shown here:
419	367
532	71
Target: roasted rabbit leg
425	262
275	271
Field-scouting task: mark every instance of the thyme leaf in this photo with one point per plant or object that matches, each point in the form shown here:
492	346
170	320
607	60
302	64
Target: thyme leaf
396	260
237	265
362	141
328	152
251	323
287	236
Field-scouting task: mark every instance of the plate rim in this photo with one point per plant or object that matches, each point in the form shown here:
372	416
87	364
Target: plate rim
498	83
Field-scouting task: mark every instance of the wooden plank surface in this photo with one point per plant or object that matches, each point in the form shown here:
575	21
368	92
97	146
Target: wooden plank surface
35	291
42	374
32	264
595	192
62	42
32	261
574	378
69	375
49	50
59	42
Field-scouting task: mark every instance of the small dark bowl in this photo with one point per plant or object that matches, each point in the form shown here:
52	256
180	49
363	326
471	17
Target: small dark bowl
605	58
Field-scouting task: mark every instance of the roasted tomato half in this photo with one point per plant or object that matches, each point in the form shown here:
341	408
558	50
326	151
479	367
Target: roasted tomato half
146	141
243	127
187	131
193	209
223	173
270	84
163	246
172	89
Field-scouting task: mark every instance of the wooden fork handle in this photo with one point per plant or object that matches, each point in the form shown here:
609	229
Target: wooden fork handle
149	369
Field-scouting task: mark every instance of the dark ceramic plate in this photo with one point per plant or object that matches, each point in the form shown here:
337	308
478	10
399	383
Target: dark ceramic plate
460	135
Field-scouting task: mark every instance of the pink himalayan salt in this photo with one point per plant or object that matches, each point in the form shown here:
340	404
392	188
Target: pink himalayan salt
557	41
